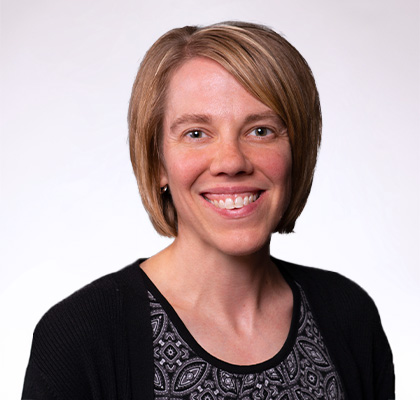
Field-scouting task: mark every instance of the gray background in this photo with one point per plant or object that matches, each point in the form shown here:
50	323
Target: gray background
70	211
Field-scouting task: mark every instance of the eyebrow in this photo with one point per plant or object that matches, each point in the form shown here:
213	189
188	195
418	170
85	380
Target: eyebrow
190	118
206	119
264	115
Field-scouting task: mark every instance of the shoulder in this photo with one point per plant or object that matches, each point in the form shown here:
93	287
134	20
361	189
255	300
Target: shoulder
317	275
338	303
329	287
89	308
341	306
351	326
84	335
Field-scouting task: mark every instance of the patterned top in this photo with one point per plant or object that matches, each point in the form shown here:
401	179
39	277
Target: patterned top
301	370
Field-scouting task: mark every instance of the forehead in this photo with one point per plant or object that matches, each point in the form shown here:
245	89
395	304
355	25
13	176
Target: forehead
202	85
199	70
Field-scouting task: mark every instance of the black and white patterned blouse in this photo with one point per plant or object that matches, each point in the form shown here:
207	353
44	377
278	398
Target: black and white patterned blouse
301	370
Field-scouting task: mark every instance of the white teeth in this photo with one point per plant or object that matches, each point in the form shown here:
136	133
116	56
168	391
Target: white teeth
229	204
238	202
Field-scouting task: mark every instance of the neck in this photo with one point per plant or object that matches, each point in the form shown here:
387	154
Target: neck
213	280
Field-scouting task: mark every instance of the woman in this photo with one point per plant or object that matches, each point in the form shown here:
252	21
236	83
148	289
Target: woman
225	126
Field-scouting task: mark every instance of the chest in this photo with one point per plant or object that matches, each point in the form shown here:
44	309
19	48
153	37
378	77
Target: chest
183	369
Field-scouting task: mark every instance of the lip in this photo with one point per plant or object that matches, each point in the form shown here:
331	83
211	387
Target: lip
231	192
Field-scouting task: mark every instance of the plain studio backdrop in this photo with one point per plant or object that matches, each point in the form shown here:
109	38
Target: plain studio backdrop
70	210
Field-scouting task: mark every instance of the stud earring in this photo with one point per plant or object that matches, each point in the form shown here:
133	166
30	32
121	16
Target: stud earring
163	189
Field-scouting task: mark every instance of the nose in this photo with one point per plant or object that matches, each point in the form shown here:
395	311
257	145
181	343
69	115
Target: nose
230	159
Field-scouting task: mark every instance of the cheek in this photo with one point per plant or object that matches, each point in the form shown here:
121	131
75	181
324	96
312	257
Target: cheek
280	170
277	165
184	167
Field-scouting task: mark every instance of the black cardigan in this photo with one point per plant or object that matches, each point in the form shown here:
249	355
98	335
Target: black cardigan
97	343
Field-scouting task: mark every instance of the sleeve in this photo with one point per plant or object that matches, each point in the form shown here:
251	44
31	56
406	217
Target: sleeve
57	366
77	349
365	340
35	386
383	366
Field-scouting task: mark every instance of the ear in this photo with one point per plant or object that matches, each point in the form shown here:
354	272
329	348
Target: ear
163	176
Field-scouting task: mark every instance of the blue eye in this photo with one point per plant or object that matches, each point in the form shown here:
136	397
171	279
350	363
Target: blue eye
261	131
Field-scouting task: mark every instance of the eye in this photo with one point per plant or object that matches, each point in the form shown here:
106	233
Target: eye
261	131
196	134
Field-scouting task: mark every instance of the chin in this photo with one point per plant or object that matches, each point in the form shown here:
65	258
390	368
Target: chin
243	245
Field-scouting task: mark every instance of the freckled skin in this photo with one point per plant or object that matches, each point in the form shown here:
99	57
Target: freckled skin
227	151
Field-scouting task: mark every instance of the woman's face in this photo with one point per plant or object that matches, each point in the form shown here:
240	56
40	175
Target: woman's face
227	160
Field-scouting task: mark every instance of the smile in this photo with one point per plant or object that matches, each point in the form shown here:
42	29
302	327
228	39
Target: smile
230	202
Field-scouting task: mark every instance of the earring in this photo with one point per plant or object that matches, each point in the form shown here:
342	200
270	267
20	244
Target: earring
163	189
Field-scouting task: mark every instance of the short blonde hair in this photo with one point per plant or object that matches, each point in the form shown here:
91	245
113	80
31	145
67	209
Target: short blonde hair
265	64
